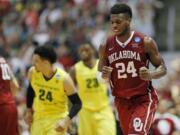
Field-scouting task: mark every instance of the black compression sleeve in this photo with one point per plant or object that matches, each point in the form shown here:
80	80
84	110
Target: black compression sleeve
76	105
30	96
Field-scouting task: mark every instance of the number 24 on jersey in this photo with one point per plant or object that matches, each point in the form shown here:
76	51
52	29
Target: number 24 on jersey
123	70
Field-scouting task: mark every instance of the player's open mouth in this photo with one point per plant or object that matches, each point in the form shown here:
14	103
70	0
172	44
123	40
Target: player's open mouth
116	30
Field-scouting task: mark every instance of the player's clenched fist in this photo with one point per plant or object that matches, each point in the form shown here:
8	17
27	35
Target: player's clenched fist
106	72
63	124
28	116
145	74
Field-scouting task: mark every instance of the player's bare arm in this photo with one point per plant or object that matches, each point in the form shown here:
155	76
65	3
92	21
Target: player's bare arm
13	84
72	73
156	60
69	86
103	67
71	92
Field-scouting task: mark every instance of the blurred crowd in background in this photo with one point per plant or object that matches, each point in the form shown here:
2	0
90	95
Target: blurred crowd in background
66	24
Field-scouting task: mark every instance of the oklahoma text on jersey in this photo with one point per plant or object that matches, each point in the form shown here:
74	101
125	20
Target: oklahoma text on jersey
124	55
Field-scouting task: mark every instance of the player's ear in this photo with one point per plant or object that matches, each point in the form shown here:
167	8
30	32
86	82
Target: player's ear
129	19
47	62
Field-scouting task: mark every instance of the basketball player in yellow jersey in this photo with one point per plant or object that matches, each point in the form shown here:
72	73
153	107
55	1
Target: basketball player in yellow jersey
49	88
96	116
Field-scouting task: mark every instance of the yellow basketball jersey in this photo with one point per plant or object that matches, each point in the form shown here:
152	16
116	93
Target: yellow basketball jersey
50	98
92	93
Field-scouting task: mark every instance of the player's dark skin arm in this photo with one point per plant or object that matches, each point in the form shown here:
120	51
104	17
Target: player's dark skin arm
156	60
13	84
103	66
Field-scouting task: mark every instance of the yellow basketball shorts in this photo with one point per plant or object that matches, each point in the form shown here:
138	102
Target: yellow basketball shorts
45	126
101	122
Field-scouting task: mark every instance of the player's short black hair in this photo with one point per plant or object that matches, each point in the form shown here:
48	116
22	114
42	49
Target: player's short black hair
121	8
89	44
46	52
